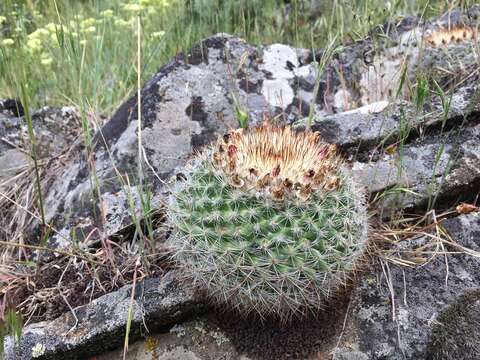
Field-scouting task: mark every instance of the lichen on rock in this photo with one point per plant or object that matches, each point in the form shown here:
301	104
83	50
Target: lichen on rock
456	333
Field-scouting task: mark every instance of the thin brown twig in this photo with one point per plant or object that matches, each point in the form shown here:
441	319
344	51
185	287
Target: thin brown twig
65	298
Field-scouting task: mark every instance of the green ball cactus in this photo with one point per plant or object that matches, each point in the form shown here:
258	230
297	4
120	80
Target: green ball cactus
268	221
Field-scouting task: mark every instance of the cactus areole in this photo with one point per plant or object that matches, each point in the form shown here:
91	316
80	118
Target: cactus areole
268	221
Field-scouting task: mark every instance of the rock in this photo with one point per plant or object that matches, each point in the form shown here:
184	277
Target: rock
12	161
11	107
427	173
346	354
395	307
226	336
54	130
456	333
193	340
383	122
158	302
280	61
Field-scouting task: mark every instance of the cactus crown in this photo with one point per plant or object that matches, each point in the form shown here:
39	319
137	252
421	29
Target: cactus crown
442	37
268	221
277	161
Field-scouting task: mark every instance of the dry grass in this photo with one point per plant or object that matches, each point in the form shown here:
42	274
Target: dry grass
42	291
42	281
392	237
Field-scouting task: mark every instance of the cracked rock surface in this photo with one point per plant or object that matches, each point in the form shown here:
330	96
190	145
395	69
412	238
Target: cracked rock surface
395	320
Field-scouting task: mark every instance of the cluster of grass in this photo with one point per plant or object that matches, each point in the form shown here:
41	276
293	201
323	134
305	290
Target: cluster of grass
77	53
83	53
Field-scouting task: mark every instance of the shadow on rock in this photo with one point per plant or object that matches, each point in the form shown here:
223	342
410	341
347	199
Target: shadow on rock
299	339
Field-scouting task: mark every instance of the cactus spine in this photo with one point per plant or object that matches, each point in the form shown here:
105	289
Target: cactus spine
268	221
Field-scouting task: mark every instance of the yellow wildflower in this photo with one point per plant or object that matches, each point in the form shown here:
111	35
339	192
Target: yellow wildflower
158	3
34	44
39	34
124	23
54	39
8	42
158	34
90	29
135	8
51	27
46	60
107	13
88	23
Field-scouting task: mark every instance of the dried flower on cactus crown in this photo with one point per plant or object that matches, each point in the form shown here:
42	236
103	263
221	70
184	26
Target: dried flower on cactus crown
277	161
442	37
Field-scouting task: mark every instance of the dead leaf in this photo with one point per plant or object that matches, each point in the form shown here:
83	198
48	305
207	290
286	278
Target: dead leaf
464	208
391	149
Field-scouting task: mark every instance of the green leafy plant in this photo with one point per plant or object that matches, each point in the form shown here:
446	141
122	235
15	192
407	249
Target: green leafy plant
268	221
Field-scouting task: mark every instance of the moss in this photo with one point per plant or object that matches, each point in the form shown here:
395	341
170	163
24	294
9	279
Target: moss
456	334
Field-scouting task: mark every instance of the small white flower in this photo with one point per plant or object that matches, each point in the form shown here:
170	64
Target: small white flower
38	350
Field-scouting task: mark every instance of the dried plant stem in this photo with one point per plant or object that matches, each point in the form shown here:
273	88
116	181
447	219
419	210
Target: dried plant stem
33	152
44	248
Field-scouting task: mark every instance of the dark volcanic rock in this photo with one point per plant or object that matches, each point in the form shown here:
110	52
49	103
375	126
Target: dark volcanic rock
395	307
456	333
186	105
159	302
